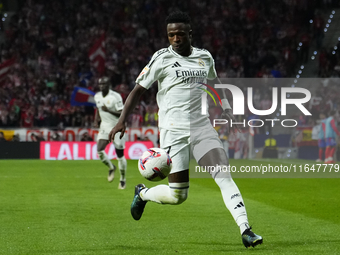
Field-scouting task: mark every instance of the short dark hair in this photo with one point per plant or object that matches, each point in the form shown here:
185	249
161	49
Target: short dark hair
104	79
178	17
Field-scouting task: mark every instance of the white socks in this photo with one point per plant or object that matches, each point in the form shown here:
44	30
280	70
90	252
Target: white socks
122	168
174	194
121	164
233	200
104	158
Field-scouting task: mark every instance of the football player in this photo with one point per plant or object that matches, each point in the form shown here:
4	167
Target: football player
182	72
109	106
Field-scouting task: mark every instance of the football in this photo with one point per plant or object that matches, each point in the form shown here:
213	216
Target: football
155	164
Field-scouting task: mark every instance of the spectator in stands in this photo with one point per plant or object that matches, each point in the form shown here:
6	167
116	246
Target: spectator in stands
266	104
318	29
77	117
40	117
50	42
27	118
151	116
135	119
53	119
86	137
3	115
2	137
13	117
37	137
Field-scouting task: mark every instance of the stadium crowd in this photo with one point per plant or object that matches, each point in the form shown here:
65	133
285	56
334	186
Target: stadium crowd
50	41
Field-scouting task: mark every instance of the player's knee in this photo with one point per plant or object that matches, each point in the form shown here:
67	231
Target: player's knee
101	155
179	196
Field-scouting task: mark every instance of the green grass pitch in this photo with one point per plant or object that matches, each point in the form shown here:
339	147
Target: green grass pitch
68	207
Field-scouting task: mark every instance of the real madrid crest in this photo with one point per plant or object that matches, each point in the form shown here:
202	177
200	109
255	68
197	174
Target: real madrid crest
201	62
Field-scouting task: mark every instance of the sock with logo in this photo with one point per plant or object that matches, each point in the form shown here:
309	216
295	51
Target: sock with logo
233	200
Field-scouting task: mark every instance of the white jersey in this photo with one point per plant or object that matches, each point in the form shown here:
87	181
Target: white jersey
114	102
180	83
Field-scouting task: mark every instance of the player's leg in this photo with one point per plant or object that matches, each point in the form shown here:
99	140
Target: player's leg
101	145
230	192
321	144
177	191
122	164
327	154
332	150
330	144
208	151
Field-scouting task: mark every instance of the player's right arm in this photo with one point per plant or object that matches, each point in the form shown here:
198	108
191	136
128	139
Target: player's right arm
334	127
96	119
129	105
151	72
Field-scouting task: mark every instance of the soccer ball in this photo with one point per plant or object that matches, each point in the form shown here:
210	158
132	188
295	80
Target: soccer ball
155	164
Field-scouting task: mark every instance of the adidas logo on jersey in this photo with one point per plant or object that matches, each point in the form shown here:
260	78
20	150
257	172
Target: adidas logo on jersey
176	65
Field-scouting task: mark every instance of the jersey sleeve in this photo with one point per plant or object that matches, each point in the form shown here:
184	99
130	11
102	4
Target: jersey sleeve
119	104
151	72
212	71
116	102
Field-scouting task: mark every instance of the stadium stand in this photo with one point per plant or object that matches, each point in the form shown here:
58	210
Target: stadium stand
47	45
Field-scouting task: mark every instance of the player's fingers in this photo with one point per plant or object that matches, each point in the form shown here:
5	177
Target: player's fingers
122	132
112	135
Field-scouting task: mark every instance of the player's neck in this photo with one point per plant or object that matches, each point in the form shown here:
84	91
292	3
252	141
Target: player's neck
187	53
104	93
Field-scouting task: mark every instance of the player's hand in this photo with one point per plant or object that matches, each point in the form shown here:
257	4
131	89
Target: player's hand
228	115
120	127
95	124
104	108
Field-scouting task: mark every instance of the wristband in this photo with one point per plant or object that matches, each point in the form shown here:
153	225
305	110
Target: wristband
225	104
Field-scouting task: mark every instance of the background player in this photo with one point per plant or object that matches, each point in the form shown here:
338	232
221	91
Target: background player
330	136
180	69
109	106
321	137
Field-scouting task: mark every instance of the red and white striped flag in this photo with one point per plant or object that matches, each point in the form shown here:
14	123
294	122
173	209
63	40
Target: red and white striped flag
5	67
97	54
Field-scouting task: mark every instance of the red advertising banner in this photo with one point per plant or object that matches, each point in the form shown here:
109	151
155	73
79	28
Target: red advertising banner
88	150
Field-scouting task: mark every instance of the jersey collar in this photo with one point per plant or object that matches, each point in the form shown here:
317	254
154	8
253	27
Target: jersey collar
175	53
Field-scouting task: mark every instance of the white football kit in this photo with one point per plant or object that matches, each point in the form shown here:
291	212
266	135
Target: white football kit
180	88
114	102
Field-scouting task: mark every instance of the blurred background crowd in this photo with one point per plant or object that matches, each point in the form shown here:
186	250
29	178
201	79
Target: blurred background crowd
50	42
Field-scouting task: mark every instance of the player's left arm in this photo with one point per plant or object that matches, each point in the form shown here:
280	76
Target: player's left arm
227	110
334	127
114	113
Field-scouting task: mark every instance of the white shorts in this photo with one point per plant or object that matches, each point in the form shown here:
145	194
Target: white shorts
103	134
184	144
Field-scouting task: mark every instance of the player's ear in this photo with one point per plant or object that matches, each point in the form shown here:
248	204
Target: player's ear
190	34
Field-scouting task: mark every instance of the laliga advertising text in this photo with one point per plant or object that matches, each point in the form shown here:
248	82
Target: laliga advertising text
268	168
